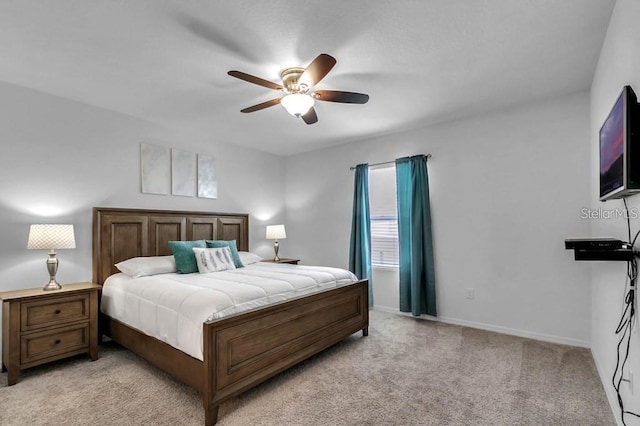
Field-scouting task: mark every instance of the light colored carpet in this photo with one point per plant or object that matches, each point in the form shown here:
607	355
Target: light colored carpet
406	372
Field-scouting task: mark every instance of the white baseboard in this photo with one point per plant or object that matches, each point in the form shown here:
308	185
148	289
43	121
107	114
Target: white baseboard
496	328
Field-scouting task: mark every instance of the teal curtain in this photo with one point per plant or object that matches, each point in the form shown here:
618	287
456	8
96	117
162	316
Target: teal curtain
417	273
360	250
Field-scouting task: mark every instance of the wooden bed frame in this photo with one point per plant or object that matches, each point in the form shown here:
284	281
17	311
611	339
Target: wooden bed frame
242	350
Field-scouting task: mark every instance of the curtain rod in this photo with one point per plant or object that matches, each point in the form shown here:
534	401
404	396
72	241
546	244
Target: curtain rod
386	162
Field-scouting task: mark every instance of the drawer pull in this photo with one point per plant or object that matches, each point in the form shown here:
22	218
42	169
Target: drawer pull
57	342
57	311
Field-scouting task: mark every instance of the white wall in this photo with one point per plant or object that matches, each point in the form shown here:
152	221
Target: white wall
619	65
60	158
506	189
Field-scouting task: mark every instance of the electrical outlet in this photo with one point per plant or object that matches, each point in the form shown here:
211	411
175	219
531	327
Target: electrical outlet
470	293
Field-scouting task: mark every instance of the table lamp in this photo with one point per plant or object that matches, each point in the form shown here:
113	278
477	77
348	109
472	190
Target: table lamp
276	232
51	237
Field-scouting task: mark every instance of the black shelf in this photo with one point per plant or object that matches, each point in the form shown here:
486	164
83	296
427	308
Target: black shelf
620	254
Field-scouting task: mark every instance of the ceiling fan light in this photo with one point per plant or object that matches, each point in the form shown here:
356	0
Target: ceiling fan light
297	103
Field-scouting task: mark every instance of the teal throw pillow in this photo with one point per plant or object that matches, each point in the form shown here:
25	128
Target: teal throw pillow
232	246
185	258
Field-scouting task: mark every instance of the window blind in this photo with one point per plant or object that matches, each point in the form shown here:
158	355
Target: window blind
384	217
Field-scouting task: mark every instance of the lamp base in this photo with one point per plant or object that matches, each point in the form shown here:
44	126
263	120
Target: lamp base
275	249
52	267
52	285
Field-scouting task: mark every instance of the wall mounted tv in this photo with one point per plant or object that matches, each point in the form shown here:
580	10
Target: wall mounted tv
620	148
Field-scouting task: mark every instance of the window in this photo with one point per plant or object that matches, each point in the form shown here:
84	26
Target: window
384	217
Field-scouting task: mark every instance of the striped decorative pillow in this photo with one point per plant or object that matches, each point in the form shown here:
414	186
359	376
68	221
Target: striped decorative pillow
213	259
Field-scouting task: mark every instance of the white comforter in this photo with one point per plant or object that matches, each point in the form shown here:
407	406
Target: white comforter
172	307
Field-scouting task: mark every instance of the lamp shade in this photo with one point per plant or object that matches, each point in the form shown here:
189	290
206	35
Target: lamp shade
297	103
276	232
51	237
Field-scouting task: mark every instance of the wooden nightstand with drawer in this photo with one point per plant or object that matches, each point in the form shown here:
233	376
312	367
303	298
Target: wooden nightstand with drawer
42	326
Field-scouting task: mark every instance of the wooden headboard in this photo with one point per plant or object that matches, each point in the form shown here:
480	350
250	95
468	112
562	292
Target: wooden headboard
120	234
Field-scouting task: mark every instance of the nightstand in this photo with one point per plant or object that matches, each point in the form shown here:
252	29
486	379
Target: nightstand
282	260
42	326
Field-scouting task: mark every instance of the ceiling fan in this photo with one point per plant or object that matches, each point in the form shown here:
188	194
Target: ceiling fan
297	84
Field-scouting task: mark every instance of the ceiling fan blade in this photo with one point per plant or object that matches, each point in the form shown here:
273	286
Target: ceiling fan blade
255	80
310	117
317	70
263	105
339	96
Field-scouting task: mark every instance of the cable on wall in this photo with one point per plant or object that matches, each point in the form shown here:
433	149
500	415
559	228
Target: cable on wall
626	321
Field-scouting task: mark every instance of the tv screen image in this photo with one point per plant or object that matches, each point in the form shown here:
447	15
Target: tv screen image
612	150
619	150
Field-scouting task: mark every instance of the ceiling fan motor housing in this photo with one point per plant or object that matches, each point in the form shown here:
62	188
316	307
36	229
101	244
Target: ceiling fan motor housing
290	77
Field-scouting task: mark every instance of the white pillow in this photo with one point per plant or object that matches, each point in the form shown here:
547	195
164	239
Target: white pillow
213	259
248	258
144	266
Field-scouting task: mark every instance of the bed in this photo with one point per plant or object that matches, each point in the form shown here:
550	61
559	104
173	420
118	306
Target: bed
239	350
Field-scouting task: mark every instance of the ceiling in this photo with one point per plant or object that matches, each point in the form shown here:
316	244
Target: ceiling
421	61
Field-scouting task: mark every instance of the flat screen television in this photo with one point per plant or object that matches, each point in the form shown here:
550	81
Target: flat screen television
620	149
